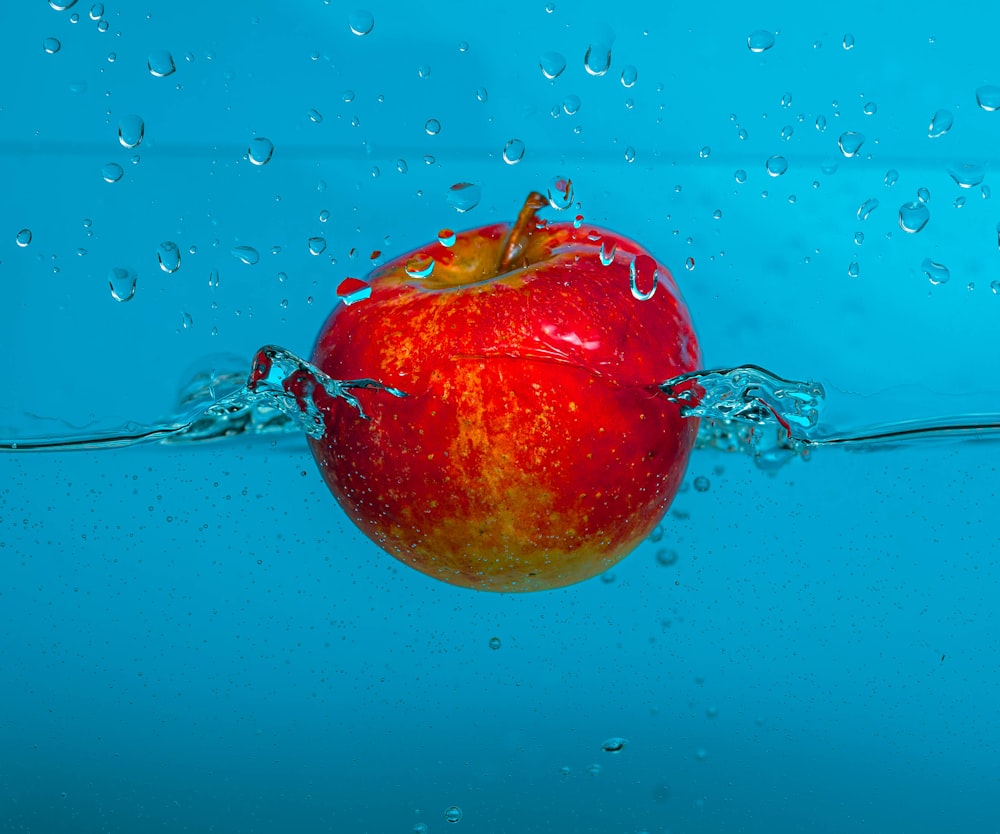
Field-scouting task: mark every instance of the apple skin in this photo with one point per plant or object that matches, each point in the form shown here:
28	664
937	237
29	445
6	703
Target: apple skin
533	449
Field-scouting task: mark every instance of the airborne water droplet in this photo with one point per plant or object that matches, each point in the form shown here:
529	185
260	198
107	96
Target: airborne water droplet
160	63
23	238
513	151
168	254
913	216
552	64
776	165
51	45
122	282
760	40
112	172
850	143
988	98
361	22
936	273
941	123
260	150
464	196
130	131
245	254
967	174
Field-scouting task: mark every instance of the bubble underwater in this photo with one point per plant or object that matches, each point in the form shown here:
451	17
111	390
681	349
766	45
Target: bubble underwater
192	196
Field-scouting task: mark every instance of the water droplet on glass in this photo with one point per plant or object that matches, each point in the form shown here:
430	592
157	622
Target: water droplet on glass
995	287
701	484
821	123
552	64
401	166
482	94
361	22
353	290
913	216
776	165
23	238
936	273
245	254
494	643
870	108
446	237
97	11
642	277
62	5
187	322
130	131
213	279
316	245
51	45
786	100
112	172
614	745
742	134
705	152
941	123
853	270
432	127
985	191
160	63
848	41
453	814
666	557
424	71
560	193
122	283
420	828
988	98
741	176
629	76
597	60
608	249
866	208
923	195
859	238
891	177
850	143
571	105
630	154
315	116
760	40
168	254
967	174
260	150
420	266
464	196
786	132
513	151
102	26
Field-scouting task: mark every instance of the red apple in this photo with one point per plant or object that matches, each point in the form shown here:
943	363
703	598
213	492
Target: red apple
534	448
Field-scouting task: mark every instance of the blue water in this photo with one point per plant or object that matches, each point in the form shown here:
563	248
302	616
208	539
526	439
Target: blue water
195	637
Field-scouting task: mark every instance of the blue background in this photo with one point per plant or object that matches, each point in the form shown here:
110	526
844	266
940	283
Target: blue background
197	638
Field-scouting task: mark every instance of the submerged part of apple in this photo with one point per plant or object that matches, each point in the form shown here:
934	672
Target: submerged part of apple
533	449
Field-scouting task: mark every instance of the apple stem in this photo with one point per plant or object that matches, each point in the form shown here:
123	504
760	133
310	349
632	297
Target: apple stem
522	229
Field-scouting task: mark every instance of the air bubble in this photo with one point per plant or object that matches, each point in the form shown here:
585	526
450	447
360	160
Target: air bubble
560	193
51	45
614	745
642	270
967	174
131	129
866	208
260	150
112	172
432	127
629	76
464	196
23	238
513	151
122	282
316	245
936	273
666	557
494	643
245	254
913	216
571	105
940	124
552	64
850	143
453	814
776	165
361	22
160	63
760	40
701	484
168	254
988	98
420	266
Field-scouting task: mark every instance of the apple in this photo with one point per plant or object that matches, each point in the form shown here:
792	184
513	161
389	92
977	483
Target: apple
533	448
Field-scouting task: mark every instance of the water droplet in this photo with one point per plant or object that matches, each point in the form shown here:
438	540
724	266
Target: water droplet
352	290
420	266
160	63
260	150
51	45
850	143
315	116
97	11
786	132
821	123
571	105
701	484
316	245
870	108
959	202
401	166
853	270
705	152
23	238
187	322
717	214
597	60
786	100
552	64
130	131
848	41
629	76
923	195
122	282
760	40
361	22
608	249
213	279
630	154
453	814
859	238
967	174
112	172
776	165
891	177
988	98
62	5
513	151
245	254
742	134
936	273
446	237
666	557
866	208
941	123
494	643
985	191
560	193
995	287
614	745
432	127
464	196
741	176
424	71
420	828
913	216
689	263
168	254
642	271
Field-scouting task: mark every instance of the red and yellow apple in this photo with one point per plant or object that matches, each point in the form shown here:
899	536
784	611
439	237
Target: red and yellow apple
533	448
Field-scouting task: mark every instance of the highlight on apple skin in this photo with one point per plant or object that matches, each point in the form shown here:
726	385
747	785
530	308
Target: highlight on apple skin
533	449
